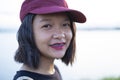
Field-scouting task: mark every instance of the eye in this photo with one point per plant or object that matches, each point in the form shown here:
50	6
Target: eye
66	25
47	26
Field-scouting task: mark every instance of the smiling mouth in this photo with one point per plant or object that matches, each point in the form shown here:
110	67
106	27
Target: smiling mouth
58	46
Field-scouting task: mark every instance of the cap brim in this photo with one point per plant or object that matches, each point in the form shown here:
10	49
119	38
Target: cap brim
77	16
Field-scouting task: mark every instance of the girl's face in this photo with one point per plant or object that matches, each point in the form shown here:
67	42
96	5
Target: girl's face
52	34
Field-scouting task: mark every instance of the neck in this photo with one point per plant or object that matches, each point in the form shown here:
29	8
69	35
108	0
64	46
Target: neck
46	66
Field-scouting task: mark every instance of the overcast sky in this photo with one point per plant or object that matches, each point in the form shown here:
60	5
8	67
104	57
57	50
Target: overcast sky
98	12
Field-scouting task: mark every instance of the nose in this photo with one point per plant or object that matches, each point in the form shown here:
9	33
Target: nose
59	34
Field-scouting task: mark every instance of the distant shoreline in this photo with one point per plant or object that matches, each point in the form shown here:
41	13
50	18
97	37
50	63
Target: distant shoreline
99	28
14	30
8	30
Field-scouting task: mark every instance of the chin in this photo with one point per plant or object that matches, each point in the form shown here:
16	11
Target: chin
59	57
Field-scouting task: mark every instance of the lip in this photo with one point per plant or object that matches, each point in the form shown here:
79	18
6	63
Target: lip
58	46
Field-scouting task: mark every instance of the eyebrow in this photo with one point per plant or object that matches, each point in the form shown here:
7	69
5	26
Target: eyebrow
42	20
67	19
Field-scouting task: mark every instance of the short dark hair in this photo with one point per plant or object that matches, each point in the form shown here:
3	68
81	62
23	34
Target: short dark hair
28	53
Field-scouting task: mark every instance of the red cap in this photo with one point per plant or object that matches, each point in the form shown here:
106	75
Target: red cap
49	6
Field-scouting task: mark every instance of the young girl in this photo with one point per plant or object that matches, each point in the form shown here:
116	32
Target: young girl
47	33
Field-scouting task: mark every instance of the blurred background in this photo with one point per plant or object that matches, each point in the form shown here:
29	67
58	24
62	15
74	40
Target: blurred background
98	40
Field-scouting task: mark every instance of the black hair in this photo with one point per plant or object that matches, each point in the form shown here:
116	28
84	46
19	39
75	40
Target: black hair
28	53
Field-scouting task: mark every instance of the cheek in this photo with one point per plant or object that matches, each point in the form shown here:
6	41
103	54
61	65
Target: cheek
69	35
41	38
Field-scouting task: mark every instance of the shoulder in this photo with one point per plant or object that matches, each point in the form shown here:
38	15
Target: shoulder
23	75
24	78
